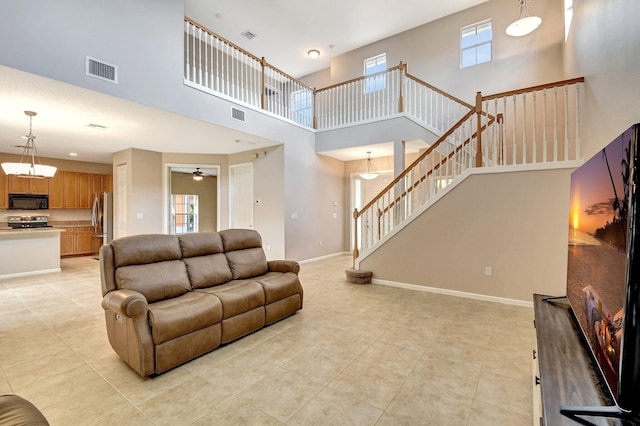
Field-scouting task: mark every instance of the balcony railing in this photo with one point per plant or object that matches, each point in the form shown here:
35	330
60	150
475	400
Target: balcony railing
218	66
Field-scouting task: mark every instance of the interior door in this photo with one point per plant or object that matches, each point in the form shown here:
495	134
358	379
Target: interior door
241	196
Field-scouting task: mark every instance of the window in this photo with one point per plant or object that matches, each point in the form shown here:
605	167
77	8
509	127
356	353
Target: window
372	66
302	101
186	213
475	44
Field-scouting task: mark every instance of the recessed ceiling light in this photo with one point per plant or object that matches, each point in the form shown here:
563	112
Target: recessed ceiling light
313	53
73	154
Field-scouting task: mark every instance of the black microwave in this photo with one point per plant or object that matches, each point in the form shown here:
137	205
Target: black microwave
28	202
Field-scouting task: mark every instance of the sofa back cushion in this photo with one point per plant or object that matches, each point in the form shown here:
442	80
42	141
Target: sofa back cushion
245	255
150	264
203	254
156	281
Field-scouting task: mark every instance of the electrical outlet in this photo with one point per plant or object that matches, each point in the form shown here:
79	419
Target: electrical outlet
488	271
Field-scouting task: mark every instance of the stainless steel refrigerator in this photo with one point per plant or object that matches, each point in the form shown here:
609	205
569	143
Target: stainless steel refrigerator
102	217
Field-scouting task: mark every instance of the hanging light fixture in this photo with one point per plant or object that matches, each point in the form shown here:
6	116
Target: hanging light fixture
368	175
525	24
198	175
29	165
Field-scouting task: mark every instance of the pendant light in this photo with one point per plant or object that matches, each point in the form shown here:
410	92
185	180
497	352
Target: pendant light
368	175
29	165
525	24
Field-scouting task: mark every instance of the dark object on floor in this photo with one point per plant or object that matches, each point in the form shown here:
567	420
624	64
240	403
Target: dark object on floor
17	411
357	276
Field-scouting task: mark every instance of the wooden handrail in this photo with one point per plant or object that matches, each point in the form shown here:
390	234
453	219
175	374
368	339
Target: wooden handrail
420	158
534	88
435	89
364	77
262	61
230	43
437	166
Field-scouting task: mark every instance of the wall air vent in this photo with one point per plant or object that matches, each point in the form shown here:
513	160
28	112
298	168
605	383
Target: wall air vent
102	70
237	114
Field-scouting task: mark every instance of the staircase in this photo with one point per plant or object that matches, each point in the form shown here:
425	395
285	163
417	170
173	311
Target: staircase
532	126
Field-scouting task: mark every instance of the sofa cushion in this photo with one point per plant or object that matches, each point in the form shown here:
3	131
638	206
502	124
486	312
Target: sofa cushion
238	239
156	281
182	315
206	271
237	297
247	263
200	244
278	286
145	249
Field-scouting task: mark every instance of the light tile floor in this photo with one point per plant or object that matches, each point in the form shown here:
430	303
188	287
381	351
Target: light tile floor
355	355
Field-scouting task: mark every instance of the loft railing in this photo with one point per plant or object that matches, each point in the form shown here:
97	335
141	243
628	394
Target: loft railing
532	125
216	65
537	124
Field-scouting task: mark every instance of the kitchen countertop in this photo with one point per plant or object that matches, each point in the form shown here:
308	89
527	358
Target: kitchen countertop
69	223
5	230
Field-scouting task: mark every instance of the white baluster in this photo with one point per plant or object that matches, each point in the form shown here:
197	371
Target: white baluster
578	155
187	65
524	128
544	125
555	124
566	123
535	123
514	129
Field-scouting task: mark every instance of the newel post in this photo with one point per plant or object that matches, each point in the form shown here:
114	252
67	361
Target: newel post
263	96
403	69
355	237
479	129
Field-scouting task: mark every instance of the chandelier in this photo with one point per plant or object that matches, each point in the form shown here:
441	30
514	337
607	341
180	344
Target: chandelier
29	165
368	175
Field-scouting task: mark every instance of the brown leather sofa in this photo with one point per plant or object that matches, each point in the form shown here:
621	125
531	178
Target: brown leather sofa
171	298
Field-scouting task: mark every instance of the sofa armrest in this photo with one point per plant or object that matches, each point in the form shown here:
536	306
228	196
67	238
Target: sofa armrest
128	303
284	266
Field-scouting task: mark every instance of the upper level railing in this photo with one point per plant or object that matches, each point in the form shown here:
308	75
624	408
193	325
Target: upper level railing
216	65
532	125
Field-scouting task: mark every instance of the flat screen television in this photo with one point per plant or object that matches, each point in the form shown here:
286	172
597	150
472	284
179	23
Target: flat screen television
603	274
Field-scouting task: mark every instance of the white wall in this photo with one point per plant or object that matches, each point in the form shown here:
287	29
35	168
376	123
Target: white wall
604	46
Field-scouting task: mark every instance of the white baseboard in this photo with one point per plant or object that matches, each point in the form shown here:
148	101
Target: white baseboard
456	293
315	259
25	274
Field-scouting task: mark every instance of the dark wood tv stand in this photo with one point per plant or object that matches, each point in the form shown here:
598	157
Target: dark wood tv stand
567	373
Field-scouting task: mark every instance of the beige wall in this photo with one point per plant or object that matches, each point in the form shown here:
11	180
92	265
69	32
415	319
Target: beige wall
68	165
515	223
432	52
207	192
604	47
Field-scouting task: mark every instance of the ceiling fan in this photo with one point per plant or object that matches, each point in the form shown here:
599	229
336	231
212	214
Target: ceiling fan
198	175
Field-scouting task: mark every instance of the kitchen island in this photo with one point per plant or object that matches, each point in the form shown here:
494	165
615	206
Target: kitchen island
29	251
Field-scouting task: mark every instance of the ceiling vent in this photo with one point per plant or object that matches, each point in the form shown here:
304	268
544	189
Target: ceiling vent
102	70
249	35
237	114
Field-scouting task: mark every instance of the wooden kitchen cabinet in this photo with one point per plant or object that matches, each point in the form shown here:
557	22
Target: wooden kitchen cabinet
67	242
20	185
70	190
56	191
85	197
108	182
97	185
84	240
4	193
77	241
